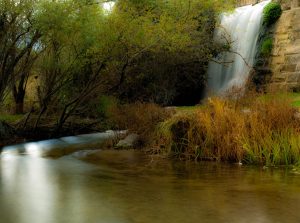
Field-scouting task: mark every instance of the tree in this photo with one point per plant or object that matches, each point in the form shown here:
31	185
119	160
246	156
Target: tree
75	53
165	48
18	38
85	52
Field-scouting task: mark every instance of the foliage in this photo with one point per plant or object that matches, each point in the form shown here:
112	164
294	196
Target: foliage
271	13
103	105
18	38
174	50
10	118
78	51
252	130
266	47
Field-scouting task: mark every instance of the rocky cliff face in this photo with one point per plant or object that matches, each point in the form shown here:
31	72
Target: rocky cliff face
285	60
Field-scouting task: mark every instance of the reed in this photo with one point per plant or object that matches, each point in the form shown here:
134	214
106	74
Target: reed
253	129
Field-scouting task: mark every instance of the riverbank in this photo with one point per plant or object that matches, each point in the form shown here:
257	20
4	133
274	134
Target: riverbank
256	129
260	130
13	129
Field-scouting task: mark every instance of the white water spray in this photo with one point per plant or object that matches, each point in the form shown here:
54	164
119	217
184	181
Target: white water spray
241	28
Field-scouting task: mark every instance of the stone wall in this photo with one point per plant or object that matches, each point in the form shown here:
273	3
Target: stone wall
283	67
286	4
285	60
247	2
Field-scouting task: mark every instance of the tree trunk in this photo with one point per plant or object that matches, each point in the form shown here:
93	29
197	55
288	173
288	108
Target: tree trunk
19	109
19	93
19	100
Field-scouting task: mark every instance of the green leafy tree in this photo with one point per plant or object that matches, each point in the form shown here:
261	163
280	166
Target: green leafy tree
158	49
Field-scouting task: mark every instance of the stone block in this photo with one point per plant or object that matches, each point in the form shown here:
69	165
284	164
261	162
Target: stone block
289	67
296	42
275	68
285	19
292	59
283	25
293	77
294	4
281	37
275	87
277	60
295	35
281	44
296	26
293	49
292	86
296	14
285	6
279	77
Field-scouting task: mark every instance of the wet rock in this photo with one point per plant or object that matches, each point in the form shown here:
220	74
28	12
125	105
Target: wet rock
130	141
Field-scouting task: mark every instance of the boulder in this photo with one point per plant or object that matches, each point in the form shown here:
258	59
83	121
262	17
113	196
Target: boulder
130	141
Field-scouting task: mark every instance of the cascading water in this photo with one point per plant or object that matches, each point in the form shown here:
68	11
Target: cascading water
241	29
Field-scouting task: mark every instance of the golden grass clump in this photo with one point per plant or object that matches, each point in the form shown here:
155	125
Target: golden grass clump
258	130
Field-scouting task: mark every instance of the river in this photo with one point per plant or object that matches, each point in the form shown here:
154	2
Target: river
130	187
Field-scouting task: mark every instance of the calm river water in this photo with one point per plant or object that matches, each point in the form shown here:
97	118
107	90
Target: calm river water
128	187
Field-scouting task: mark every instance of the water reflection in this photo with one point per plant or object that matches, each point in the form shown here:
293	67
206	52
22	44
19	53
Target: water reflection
62	146
135	189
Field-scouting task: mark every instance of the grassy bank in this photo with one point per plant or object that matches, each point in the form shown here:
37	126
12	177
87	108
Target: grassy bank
256	130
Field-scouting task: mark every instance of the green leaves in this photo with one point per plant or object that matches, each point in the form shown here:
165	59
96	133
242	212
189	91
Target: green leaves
272	12
267	47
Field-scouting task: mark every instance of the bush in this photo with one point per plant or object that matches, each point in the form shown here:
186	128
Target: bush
271	13
140	118
266	47
105	103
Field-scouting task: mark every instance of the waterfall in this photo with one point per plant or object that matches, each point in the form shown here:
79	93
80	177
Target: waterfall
242	29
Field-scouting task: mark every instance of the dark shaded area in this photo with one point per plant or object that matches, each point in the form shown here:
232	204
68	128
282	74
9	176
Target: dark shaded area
171	77
261	73
166	80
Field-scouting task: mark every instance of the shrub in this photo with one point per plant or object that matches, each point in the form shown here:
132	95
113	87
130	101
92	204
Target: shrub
266	47
271	13
104	105
140	118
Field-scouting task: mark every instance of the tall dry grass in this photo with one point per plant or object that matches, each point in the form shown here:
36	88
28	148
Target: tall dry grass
257	130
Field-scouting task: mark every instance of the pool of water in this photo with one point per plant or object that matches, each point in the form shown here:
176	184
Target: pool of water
129	187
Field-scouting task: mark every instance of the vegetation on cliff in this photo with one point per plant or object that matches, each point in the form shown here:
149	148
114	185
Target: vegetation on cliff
272	12
266	47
